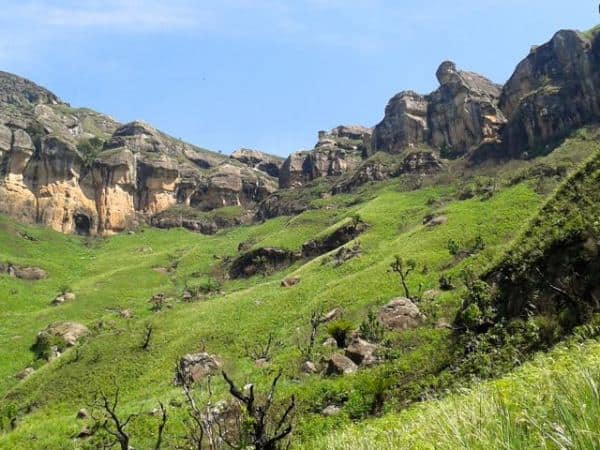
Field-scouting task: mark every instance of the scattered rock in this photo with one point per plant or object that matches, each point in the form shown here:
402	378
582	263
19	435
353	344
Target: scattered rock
339	364
194	367
444	323
261	261
309	367
331	410
68	333
346	254
435	221
261	363
400	314
23	273
334	314
361	352
82	414
25	373
330	342
64	297
290	281
85	433
350	230
126	314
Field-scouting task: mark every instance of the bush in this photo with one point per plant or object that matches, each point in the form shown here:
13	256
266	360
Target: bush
453	247
371	329
340	330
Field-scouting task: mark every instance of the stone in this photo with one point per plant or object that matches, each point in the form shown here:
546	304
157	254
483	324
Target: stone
457	117
85	433
334	314
361	352
331	410
23	273
69	333
309	367
25	373
436	221
330	342
261	261
82	414
195	367
339	364
62	298
290	281
400	314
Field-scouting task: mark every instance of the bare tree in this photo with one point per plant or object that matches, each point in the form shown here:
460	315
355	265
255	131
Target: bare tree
265	432
403	268
316	320
262	350
147	336
161	426
109	420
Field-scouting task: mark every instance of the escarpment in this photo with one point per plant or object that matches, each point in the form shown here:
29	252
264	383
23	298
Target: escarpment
79	171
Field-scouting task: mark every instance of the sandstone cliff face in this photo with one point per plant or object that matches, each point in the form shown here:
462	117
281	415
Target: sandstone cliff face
263	162
80	171
553	91
461	114
337	152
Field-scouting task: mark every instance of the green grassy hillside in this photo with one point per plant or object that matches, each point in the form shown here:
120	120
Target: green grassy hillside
123	272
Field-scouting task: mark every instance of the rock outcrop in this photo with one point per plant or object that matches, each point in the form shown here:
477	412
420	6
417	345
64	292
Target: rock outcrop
196	366
261	261
553	91
78	171
460	115
263	162
336	153
400	314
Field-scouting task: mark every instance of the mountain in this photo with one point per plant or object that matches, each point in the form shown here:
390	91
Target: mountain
76	170
431	281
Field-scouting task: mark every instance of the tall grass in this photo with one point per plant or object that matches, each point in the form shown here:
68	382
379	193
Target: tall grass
553	403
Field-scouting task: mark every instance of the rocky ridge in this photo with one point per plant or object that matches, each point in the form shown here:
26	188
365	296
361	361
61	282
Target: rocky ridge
76	170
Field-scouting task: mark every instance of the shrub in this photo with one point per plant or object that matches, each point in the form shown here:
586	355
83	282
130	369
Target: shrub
340	330
371	329
453	247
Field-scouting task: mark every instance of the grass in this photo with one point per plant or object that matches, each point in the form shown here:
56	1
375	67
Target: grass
552	402
124	271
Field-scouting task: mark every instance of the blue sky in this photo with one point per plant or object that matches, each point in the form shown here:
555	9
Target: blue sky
265	74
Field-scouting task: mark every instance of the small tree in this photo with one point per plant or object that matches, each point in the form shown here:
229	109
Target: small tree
263	431
403	268
316	320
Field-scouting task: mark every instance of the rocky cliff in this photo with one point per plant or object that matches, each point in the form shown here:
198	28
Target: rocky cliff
337	152
79	171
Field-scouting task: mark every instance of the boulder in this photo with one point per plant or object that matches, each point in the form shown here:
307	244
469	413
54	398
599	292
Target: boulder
334	314
82	414
62	298
195	367
25	373
261	261
400	314
309	367
23	273
67	333
361	352
331	410
436	221
330	342
339	364
290	281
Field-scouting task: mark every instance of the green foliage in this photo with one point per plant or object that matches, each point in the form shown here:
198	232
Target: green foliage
371	328
90	149
453	247
340	330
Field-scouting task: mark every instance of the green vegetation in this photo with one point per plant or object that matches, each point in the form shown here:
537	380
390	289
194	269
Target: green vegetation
116	278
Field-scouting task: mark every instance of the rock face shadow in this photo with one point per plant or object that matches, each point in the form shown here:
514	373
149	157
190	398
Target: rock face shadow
83	224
